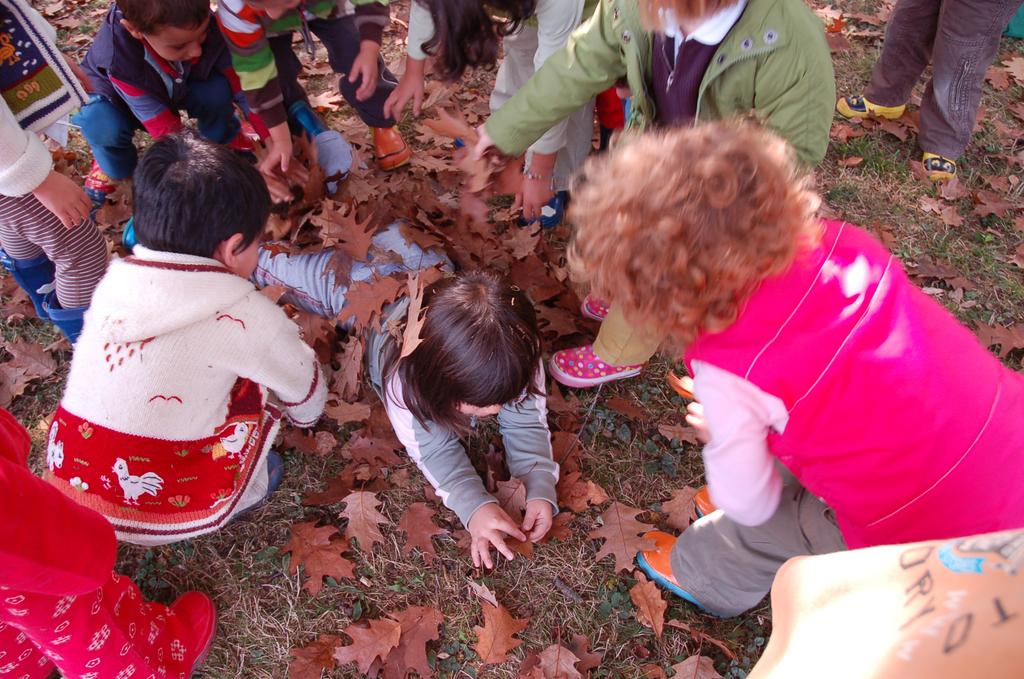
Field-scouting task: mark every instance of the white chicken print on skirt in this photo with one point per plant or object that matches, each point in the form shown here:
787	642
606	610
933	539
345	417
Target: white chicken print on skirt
136	486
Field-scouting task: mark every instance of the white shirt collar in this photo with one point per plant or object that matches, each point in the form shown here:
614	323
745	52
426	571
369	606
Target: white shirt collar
711	32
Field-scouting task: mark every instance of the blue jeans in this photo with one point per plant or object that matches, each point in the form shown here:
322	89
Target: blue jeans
109	126
315	287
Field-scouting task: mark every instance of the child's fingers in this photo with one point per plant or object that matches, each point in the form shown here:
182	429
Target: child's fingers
505	525
529	521
499	543
484	552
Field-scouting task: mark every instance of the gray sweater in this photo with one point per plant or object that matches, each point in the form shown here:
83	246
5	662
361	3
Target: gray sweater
440	454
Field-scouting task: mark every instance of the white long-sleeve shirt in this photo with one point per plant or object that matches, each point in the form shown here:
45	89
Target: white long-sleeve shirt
740	470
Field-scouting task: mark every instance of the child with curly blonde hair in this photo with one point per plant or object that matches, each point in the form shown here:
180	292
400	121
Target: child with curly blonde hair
808	347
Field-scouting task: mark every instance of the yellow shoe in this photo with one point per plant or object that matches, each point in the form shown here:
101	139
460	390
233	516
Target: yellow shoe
939	168
857	106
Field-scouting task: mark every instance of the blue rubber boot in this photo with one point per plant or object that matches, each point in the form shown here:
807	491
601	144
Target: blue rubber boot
128	235
333	152
35	276
68	320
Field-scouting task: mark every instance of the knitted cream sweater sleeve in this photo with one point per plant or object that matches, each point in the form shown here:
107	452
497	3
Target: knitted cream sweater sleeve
24	160
282	362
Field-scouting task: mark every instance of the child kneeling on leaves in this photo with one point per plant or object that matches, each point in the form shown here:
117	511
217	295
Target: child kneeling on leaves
183	369
808	347
479	356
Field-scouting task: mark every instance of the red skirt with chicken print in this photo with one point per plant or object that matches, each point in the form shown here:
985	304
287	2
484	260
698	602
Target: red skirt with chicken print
156	491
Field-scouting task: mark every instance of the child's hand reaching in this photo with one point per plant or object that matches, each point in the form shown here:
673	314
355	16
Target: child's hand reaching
695	418
410	87
64	198
488	526
365	66
279	151
537	521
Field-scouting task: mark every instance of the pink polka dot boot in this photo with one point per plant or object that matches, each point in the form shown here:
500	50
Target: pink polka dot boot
580	367
594	308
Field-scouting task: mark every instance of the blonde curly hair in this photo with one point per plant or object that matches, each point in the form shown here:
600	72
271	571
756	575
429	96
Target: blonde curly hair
679	227
650	10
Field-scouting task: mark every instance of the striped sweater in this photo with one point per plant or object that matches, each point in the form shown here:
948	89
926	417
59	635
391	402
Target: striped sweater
247	29
129	73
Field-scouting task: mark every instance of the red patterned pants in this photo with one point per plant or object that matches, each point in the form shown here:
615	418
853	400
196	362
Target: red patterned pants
111	633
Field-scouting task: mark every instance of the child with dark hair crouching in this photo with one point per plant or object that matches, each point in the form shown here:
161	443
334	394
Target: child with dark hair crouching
183	370
479	356
811	350
148	61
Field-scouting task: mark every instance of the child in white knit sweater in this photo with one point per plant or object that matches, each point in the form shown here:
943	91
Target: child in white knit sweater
183	369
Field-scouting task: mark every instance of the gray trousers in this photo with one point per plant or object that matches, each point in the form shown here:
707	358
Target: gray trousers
960	38
314	284
729	568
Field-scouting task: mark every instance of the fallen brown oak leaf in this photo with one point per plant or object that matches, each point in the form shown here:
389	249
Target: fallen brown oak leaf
370	642
650	607
696	667
581	648
621	534
576	493
420	625
418	525
1008	338
310	661
415	318
680	510
365	301
497	635
363	519
554	662
343	412
318	550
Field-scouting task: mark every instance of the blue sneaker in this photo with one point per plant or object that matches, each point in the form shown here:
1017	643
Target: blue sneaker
552	213
128	235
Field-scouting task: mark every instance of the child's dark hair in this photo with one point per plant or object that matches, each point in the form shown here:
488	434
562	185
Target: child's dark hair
480	347
466	34
148	16
190	195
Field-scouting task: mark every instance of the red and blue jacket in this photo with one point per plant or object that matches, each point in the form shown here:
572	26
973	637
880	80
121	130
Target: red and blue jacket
129	73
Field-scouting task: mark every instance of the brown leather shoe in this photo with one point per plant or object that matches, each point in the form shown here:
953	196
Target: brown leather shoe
389	149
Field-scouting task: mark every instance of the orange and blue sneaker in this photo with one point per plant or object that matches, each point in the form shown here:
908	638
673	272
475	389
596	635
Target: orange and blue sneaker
939	168
581	368
857	106
655	562
702	504
594	308
99	185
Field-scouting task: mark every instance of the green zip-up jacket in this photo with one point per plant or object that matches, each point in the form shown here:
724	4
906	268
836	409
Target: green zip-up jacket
774	62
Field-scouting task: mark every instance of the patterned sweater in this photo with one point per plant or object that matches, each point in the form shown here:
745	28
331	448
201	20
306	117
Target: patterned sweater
246	31
174	397
37	88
